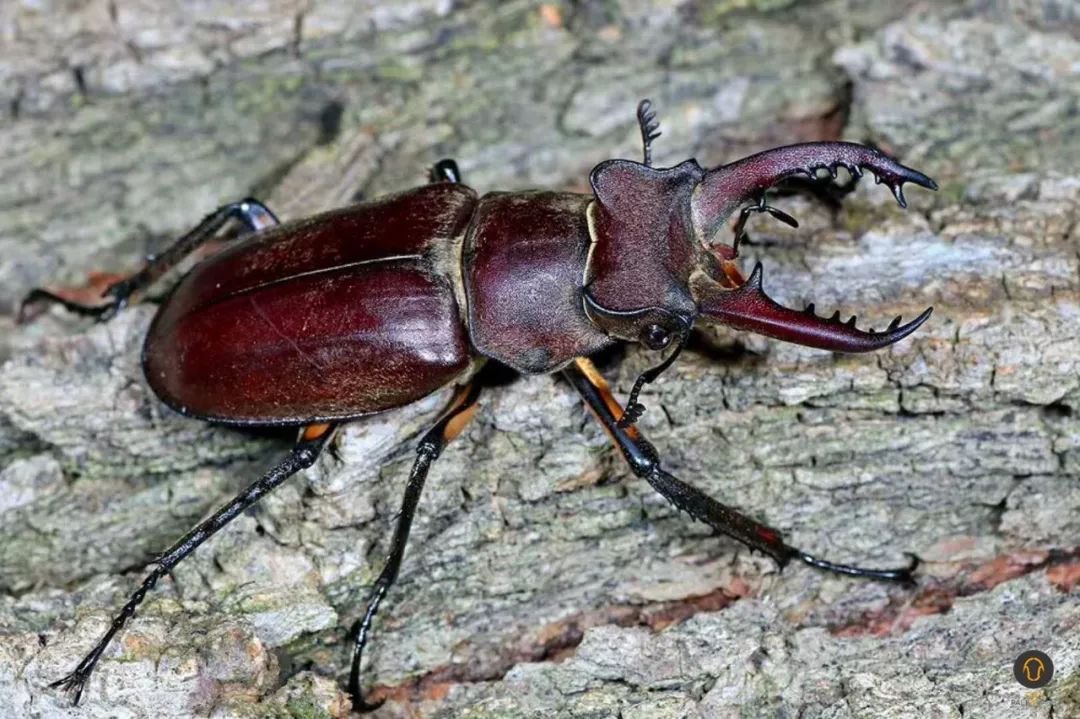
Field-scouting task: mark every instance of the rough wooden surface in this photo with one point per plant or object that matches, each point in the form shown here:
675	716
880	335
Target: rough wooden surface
543	579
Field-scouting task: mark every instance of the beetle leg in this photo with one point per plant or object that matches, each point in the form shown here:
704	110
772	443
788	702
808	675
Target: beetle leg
303	455
450	425
253	214
445	170
644	461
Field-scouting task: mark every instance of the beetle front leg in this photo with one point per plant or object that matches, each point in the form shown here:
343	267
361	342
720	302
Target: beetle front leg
645	463
303	455
253	214
450	425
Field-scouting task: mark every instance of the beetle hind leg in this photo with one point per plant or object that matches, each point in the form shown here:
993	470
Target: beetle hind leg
303	455
450	425
105	295
645	462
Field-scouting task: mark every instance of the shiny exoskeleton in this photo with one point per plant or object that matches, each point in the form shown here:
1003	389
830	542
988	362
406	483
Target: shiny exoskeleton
373	306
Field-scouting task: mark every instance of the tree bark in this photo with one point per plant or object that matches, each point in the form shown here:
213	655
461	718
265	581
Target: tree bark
542	578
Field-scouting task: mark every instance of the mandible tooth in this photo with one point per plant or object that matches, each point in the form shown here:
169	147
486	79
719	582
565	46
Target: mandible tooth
898	193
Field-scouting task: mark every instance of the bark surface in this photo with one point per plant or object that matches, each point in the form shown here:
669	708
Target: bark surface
542	578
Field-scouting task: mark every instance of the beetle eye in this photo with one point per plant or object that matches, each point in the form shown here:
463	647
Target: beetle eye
655	337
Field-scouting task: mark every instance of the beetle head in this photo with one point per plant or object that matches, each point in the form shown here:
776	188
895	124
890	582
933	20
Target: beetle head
643	252
654	266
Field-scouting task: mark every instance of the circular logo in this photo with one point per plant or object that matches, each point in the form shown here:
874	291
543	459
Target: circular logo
1033	669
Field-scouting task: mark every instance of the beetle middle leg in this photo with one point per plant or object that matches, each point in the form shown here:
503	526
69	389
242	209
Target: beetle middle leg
253	214
645	462
462	408
303	455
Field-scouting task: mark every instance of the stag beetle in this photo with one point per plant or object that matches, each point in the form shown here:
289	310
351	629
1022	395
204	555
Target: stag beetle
319	321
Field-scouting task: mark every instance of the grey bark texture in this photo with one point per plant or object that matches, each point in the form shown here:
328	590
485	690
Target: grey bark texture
542	578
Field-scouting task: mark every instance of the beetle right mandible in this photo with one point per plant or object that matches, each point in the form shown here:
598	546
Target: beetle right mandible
359	310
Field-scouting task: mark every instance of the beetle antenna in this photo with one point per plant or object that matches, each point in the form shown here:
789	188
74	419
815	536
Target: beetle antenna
650	127
634	409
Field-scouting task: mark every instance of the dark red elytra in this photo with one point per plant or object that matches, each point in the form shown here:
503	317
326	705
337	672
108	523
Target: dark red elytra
359	310
320	319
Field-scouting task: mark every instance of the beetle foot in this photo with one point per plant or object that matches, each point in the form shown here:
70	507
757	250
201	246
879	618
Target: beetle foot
359	704
73	684
903	575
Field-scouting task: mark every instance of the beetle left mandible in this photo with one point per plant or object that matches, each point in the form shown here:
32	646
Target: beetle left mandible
359	310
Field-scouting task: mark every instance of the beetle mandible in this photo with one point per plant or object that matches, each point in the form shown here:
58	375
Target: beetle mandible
359	310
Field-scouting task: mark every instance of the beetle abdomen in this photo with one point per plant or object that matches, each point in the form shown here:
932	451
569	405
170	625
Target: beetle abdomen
341	315
523	267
